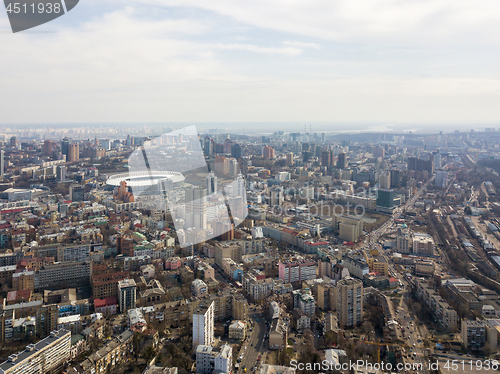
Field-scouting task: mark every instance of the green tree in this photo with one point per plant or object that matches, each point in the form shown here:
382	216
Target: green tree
148	353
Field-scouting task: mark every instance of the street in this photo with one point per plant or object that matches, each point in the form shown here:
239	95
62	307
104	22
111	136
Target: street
254	344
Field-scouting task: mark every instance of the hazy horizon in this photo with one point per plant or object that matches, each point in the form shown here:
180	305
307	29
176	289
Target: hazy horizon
264	127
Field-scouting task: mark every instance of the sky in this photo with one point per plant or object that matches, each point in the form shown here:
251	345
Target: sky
367	61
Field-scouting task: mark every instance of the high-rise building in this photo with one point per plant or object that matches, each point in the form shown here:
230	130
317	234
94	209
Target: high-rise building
236	151
126	294
441	178
297	148
65	147
106	144
289	159
385	198
196	207
233	167
268	152
208	147
437	160
276	196
379	152
203	325
2	162
47	147
77	193
417	164
395	178
61	173
403	240
73	152
221	165
211	183
48	355
349	302
385	179
342	161
13	142
326	158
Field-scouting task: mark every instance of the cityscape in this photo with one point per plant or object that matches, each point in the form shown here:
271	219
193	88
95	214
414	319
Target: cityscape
233	253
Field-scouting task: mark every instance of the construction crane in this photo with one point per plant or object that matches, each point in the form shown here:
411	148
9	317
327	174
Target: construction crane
379	344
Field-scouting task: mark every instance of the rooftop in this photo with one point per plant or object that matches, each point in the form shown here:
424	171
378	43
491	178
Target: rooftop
33	349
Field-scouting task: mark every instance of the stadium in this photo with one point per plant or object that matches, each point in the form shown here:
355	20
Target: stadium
144	180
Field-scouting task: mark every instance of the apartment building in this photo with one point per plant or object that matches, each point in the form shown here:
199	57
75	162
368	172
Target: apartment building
257	288
198	287
76	253
304	301
348	228
63	275
444	313
106	285
424	267
23	280
232	250
112	354
6	273
106	306
278	334
214	359
232	269
239	307
48	355
203	325
326	295
297	271
356	265
403	244
423	244
476	334
237	330
349	302
127	296
376	263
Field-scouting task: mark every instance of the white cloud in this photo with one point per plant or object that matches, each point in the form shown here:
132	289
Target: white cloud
144	63
302	44
288	51
410	22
